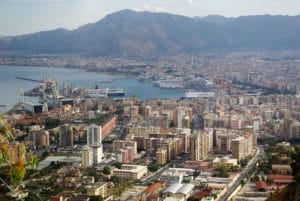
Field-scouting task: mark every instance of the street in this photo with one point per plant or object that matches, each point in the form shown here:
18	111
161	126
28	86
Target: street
243	174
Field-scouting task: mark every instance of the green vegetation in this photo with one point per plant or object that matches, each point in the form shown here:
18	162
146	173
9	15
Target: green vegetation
98	120
255	178
153	167
222	172
115	179
33	161
17	173
5	131
106	170
118	165
274	154
44	155
171	124
52	123
192	125
10	171
244	162
96	198
92	172
289	192
120	187
3	154
296	163
53	167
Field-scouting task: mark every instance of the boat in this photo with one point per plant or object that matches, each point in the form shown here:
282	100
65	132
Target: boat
105	91
2	105
96	95
115	92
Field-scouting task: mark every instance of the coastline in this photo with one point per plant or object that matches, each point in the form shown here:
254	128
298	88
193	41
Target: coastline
128	82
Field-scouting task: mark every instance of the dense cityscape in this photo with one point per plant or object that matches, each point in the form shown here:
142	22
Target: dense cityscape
174	100
232	136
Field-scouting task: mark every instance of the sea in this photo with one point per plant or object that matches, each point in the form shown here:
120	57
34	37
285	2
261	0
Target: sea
10	87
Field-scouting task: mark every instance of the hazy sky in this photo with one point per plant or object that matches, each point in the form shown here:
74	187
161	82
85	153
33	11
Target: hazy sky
27	16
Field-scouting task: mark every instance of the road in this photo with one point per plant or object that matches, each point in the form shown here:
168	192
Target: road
259	154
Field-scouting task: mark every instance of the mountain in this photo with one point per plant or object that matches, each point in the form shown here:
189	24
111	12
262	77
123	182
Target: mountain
131	33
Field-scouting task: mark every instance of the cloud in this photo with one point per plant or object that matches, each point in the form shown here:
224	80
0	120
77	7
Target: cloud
151	8
191	2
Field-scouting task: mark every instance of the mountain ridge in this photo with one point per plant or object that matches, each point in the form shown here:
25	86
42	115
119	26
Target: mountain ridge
131	33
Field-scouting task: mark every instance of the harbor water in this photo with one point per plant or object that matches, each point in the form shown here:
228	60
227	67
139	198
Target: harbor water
10	86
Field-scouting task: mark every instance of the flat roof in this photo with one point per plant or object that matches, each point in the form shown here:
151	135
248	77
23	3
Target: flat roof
185	189
173	188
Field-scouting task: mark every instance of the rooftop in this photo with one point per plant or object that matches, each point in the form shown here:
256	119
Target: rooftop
261	185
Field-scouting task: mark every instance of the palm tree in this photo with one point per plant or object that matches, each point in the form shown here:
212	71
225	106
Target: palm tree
5	131
3	154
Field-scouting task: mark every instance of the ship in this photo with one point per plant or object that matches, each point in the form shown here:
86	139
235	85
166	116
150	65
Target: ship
115	92
105	92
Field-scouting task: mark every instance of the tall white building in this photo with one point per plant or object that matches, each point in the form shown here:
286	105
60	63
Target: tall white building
87	157
256	125
94	140
180	115
94	136
199	146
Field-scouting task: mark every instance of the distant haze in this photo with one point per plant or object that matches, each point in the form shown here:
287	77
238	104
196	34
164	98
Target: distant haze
27	16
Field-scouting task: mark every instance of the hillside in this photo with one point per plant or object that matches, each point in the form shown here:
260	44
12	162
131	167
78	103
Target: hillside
130	33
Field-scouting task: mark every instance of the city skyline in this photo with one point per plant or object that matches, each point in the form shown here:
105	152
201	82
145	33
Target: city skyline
28	16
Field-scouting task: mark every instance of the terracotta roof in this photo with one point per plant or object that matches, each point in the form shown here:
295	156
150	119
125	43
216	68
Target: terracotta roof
154	187
282	179
202	194
261	185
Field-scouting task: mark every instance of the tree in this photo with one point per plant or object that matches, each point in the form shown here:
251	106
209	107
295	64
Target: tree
106	170
115	179
5	131
17	173
118	165
152	167
51	123
44	155
3	154
222	172
269	180
33	161
255	178
243	162
296	163
96	198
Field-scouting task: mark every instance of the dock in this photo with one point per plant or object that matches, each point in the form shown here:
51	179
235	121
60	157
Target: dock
28	79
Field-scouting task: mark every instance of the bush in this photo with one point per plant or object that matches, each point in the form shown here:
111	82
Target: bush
106	170
153	167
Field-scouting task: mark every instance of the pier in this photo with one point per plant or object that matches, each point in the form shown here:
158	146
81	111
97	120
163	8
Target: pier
28	79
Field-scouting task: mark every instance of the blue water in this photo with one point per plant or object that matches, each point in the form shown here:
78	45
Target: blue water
10	87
